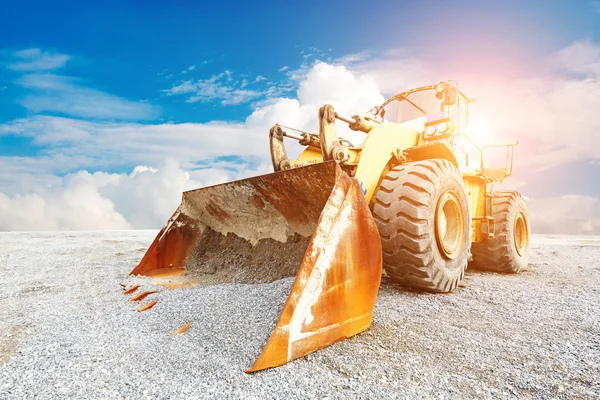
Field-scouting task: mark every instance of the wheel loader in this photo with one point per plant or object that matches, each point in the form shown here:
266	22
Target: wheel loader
415	201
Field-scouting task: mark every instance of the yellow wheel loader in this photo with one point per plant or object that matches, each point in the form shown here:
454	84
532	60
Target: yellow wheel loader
415	198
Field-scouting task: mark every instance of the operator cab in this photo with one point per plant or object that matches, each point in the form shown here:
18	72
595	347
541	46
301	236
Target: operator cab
438	112
427	106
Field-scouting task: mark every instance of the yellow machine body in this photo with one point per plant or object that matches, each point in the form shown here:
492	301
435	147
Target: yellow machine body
313	218
383	149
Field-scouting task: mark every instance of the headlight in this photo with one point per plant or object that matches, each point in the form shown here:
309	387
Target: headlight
442	127
440	88
430	130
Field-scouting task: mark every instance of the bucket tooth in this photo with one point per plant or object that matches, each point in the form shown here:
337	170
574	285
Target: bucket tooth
182	329
131	289
143	295
147	306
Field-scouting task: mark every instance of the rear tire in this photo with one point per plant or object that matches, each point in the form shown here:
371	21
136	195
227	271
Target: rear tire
422	213
508	251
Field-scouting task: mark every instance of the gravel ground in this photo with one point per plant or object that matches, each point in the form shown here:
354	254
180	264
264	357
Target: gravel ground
67	331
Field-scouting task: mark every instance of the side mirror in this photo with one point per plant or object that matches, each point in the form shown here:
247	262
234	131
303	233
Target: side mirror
450	95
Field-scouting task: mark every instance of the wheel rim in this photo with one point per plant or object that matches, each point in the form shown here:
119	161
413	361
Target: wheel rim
449	225
521	235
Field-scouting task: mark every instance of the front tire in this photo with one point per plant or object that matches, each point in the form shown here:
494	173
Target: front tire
508	250
421	211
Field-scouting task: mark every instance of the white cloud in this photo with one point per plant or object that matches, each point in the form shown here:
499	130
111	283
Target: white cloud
188	69
552	114
147	196
284	68
394	70
78	205
84	144
335	84
569	214
581	57
48	92
259	78
351	59
35	59
69	96
143	199
216	88
537	110
552	117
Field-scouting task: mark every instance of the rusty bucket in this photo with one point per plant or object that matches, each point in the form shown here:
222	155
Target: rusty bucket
312	222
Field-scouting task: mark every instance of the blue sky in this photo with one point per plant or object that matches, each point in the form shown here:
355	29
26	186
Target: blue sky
155	75
135	50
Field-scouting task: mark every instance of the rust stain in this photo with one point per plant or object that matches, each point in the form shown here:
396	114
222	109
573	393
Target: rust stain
147	306
170	247
162	272
335	290
258	201
215	210
334	293
299	194
181	329
143	295
131	289
177	284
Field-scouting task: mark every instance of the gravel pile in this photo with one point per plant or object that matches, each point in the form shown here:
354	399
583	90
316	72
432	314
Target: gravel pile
67	331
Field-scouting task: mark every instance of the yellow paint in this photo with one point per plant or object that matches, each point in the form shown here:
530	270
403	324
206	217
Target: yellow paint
475	186
373	161
377	151
310	153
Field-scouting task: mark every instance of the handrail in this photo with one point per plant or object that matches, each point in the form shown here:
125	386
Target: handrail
510	153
